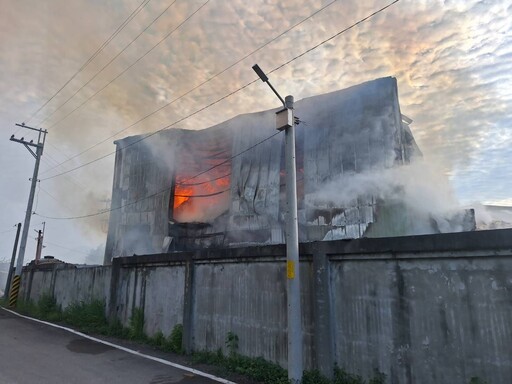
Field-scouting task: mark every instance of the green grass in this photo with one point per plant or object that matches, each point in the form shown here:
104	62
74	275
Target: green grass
87	316
256	368
45	308
175	340
477	380
136	329
266	372
172	343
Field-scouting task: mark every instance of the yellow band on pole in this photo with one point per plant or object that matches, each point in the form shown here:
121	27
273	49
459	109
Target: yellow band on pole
15	289
290	269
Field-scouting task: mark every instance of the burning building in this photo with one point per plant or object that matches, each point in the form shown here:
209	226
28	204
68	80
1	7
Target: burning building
224	186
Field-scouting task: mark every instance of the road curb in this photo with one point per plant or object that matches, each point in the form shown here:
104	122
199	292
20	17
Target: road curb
128	350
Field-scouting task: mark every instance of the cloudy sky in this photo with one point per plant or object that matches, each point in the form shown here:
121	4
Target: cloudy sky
452	60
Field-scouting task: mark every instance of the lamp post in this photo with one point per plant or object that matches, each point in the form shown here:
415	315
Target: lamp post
285	121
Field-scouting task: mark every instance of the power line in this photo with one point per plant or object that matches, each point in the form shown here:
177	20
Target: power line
10	230
228	95
153	133
101	70
203	182
166	189
94	55
63	247
130	66
196	87
54	198
46	159
49	158
336	35
58	150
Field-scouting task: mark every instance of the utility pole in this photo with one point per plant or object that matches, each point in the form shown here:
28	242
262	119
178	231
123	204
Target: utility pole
285	121
40	246
39	146
13	257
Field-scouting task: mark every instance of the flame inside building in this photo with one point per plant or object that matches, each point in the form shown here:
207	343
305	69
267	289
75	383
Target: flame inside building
224	186
202	178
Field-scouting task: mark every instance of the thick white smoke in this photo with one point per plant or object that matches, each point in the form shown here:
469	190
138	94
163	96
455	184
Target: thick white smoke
420	187
492	216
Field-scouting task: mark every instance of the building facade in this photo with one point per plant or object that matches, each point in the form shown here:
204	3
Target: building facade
224	186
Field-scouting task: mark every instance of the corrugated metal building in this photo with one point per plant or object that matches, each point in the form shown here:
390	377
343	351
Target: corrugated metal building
224	186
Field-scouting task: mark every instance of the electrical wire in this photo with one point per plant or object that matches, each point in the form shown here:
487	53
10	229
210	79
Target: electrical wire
10	230
130	66
101	70
196	87
336	35
55	199
227	95
63	247
46	160
153	133
203	182
166	189
94	55
205	195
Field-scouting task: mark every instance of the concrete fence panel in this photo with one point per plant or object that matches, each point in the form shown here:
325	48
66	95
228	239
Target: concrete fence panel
420	309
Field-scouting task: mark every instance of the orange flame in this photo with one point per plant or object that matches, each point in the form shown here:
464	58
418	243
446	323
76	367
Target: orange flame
203	177
192	200
181	195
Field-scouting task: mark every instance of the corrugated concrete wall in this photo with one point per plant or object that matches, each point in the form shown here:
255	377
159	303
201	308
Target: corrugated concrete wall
248	299
434	320
421	309
159	291
66	284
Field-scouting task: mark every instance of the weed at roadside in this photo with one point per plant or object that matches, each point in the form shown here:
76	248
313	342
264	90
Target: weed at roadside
88	316
136	331
47	308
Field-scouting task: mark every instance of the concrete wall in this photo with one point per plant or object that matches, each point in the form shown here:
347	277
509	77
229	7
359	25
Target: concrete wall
67	284
421	309
248	299
4	271
159	291
412	319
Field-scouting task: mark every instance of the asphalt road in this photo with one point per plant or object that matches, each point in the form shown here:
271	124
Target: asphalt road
31	352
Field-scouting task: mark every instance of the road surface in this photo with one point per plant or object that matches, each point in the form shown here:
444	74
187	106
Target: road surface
32	352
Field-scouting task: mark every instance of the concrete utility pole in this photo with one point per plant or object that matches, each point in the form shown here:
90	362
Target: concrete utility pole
40	246
285	121
13	257
39	146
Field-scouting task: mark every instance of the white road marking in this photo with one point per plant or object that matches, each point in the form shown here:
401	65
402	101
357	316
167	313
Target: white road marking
136	353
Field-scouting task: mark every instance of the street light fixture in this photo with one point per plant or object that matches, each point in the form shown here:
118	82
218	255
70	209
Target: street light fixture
285	121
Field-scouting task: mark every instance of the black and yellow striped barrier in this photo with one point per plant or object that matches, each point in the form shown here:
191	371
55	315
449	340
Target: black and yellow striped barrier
15	289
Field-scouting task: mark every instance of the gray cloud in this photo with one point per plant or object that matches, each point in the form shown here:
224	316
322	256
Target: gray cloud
451	60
